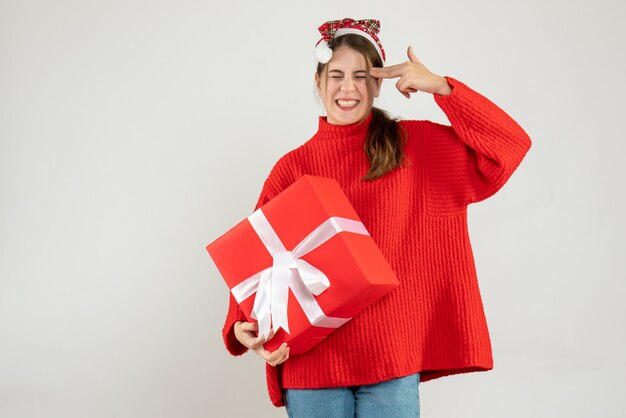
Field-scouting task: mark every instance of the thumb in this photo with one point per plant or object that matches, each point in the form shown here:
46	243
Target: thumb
412	56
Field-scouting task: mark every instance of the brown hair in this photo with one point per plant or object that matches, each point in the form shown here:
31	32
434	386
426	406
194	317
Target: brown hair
385	136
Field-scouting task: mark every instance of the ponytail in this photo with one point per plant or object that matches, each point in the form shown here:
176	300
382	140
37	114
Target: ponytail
383	144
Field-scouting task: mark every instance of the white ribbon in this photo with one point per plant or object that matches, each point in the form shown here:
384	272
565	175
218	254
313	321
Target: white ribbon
289	271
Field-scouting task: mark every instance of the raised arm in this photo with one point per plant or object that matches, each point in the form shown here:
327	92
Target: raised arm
472	159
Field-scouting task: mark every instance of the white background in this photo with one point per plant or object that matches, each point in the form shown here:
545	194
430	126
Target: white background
133	133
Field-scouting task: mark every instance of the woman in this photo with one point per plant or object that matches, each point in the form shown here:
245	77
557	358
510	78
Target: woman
410	181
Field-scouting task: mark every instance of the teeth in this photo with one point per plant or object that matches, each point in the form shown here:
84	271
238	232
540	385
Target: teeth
347	103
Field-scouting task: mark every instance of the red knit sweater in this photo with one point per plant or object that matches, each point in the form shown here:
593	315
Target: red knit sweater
434	322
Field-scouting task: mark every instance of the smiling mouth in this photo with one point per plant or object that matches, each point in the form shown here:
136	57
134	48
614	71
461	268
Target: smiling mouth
347	104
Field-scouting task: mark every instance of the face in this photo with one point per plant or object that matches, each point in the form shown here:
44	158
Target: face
346	96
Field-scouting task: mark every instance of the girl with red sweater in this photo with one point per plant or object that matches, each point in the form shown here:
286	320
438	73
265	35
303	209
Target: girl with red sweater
410	181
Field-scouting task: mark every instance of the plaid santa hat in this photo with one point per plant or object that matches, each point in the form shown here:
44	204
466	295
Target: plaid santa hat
368	28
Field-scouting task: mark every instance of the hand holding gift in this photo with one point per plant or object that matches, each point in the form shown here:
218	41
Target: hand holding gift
245	334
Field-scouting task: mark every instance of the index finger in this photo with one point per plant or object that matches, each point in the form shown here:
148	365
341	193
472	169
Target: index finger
387	72
271	357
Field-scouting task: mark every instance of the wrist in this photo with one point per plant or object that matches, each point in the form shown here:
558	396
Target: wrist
445	88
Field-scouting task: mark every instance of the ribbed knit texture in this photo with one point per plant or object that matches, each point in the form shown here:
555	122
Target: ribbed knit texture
434	322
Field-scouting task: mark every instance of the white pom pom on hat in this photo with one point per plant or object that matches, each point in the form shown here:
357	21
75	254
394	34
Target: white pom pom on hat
323	53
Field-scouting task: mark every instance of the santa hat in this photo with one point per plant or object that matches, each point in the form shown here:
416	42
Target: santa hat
368	28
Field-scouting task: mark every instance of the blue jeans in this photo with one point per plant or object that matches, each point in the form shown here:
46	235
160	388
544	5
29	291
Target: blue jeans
398	398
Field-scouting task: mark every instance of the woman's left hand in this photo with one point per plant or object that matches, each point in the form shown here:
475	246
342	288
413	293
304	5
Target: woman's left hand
414	77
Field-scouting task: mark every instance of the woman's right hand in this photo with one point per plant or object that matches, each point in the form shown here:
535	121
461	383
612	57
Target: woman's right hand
246	334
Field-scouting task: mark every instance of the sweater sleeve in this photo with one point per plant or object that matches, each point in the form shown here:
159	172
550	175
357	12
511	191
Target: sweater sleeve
235	314
472	159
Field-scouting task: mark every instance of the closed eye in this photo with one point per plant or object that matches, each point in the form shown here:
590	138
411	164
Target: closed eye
338	76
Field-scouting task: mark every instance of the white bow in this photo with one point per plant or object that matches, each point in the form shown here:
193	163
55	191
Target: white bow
289	271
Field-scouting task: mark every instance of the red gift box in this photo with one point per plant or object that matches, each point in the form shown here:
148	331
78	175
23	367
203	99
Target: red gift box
303	264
